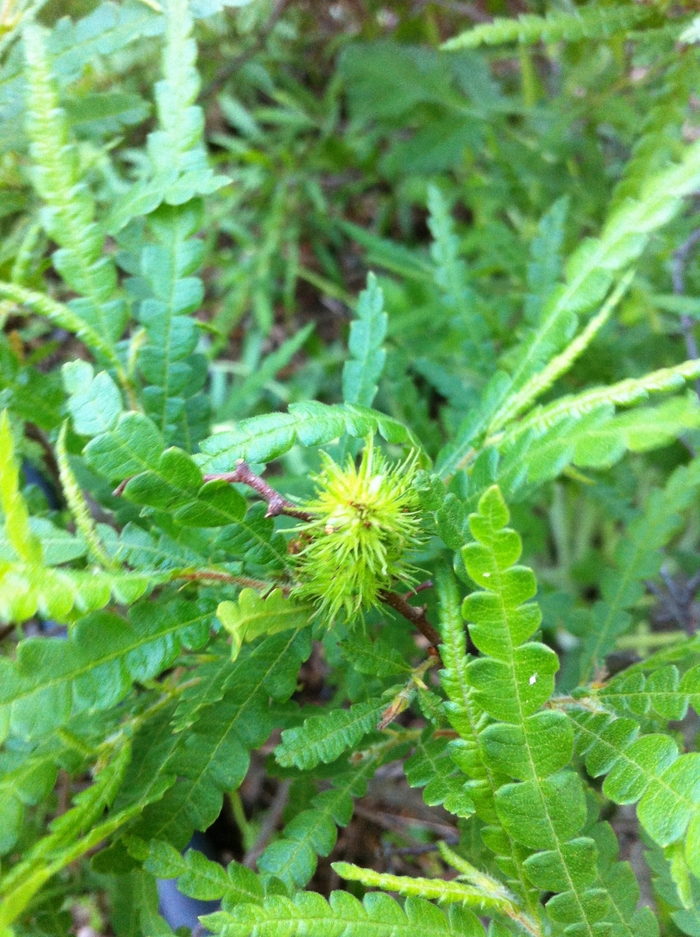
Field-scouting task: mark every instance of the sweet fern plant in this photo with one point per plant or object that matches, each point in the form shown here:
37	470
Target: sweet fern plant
348	444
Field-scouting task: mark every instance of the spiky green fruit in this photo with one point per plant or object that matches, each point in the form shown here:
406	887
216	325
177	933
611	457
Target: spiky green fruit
365	520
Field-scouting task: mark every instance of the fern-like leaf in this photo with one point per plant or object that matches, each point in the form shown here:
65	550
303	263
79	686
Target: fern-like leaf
250	616
292	858
544	807
663	693
446	892
179	168
637	558
73	835
264	438
69	216
325	738
52	679
199	877
213	756
310	915
648	769
589	22
432	768
367	332
173	374
451	272
469	720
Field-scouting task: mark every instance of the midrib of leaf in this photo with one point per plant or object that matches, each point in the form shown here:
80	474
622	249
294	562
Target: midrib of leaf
654	197
496	573
640	766
240	713
47	113
66	318
254	535
620	919
14	902
614	605
542	380
96	662
175	244
321	814
453	626
605	696
624	393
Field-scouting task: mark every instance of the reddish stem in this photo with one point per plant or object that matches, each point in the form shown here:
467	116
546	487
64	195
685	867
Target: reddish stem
414	614
276	503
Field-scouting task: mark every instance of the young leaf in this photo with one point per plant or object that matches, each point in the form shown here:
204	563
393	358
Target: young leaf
267	437
362	372
309	914
590	22
252	616
69	214
325	738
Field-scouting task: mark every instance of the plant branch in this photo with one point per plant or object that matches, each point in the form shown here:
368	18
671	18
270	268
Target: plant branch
216	575
269	824
414	614
276	503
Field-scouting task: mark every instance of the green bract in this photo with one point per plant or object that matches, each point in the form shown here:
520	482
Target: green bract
366	518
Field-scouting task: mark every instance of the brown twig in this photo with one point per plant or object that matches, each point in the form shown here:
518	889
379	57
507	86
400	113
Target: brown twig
399	822
389	851
428	584
269	825
276	503
244	475
414	614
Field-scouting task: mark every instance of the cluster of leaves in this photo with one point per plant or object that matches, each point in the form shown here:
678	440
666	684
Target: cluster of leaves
182	245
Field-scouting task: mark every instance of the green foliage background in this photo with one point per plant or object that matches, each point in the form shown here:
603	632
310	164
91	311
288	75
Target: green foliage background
255	232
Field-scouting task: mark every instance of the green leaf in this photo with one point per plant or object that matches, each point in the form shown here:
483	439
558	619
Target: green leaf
637	558
73	834
94	403
451	273
546	809
199	877
325	738
292	858
451	892
179	168
69	213
367	332
97	114
310	915
374	657
267	437
251	616
662	692
648	769
133	446
589	22
52	679
432	768
58	546
244	395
